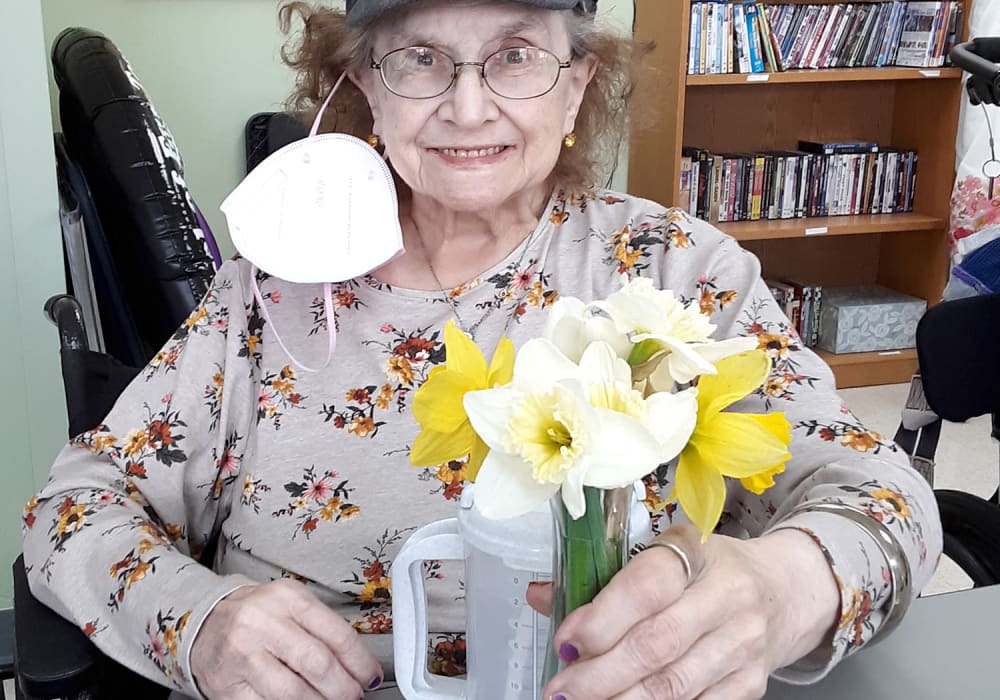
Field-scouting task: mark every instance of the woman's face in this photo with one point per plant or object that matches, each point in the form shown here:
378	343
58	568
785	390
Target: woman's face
470	149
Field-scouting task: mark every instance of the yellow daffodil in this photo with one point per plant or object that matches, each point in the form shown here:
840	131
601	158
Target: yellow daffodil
445	431
562	426
749	447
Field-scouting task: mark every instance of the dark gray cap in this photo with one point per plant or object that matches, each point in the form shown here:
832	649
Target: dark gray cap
361	11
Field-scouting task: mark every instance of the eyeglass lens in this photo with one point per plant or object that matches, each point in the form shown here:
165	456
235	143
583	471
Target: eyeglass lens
518	72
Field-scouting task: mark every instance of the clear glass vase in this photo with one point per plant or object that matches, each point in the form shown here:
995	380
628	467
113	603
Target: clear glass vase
586	553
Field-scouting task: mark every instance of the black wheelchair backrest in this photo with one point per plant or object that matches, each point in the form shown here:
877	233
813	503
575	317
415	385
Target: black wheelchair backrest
958	343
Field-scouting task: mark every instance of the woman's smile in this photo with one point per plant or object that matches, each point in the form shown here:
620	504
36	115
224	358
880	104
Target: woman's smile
480	155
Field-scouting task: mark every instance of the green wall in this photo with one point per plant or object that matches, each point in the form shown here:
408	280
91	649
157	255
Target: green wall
32	417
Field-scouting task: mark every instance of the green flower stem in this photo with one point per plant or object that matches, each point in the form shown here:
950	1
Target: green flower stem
581	575
590	551
590	558
598	536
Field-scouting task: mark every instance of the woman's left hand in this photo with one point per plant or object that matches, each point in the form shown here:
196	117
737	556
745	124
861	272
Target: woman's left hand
751	606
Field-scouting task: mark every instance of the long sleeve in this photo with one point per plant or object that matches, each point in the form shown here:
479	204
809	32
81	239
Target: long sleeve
834	457
112	541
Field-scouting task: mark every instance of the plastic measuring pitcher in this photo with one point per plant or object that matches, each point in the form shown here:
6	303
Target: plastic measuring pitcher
505	638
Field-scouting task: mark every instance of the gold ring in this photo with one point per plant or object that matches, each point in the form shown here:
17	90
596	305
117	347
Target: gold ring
679	552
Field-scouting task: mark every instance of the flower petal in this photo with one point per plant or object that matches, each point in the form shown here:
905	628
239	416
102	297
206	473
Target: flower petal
505	488
477	455
565	326
624	451
437	404
539	363
489	412
721	349
502	364
462	355
601	364
701	491
738	376
762	481
432	447
741	445
672	419
681	365
572	492
631	311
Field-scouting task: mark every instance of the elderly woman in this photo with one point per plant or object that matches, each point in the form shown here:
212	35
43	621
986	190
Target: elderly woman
494	116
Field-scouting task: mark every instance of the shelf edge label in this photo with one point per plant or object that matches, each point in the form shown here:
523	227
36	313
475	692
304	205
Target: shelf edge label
818	230
758	77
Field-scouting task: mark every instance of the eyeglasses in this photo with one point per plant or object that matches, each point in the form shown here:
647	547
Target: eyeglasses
518	73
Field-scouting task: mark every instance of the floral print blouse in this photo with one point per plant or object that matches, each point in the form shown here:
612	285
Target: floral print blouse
295	474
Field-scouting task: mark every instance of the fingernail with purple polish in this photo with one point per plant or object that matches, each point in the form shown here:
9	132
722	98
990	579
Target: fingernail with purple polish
375	683
558	697
568	653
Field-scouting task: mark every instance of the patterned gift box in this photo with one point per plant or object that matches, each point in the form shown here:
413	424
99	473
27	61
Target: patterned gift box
868	319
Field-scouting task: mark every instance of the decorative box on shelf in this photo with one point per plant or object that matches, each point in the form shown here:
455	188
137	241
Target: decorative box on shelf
868	319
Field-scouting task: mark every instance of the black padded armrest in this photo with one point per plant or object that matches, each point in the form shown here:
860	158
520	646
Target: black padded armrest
53	657
971	534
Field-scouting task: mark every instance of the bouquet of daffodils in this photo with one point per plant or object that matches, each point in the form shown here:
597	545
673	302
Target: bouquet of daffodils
612	390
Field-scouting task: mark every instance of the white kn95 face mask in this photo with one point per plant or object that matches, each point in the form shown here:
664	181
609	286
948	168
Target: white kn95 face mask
322	209
319	210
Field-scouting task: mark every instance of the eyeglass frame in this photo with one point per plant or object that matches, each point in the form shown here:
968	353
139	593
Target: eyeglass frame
377	65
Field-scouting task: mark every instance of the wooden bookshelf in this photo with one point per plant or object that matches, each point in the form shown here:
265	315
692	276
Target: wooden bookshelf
831	75
831	226
868	368
907	108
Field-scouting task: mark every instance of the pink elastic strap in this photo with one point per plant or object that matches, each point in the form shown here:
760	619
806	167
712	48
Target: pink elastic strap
331	323
326	103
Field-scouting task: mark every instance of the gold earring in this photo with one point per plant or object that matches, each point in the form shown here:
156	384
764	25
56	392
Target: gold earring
373	140
570	140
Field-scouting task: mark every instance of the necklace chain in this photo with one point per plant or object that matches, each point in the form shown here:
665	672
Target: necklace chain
448	297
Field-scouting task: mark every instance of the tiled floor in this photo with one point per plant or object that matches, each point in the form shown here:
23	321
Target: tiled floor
967	457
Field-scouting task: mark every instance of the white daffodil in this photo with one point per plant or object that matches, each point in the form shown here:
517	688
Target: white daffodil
572	325
564	426
656	322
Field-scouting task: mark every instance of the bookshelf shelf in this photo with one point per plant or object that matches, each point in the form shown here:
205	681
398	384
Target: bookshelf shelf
829	75
870	368
830	226
902	108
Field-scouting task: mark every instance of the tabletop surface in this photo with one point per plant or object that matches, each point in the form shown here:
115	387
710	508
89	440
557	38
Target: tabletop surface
946	647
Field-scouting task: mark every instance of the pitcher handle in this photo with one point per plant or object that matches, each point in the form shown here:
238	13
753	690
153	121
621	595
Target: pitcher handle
438	540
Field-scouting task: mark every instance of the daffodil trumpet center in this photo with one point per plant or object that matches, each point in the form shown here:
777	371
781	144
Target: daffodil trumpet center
620	399
548	432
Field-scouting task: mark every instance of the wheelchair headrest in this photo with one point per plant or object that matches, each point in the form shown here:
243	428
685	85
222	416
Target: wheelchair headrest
958	344
135	173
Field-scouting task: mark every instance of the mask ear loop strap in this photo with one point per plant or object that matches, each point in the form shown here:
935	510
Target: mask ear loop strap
331	323
326	103
991	168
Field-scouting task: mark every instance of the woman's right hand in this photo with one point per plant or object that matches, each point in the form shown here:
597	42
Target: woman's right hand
278	641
